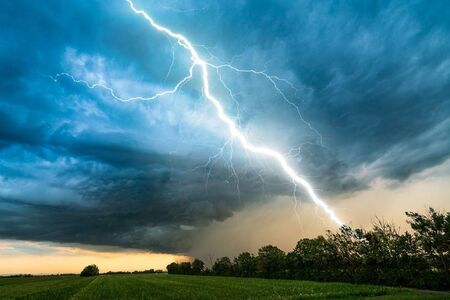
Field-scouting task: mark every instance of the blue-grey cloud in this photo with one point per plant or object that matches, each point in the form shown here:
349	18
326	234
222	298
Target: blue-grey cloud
78	167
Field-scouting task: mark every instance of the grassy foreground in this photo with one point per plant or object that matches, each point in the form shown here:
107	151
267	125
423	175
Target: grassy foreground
162	286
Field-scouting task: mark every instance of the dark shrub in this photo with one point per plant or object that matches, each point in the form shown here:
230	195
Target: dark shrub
91	270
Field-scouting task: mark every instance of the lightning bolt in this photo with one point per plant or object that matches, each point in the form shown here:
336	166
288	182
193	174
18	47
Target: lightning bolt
118	98
235	133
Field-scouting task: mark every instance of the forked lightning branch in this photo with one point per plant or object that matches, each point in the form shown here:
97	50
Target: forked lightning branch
235	133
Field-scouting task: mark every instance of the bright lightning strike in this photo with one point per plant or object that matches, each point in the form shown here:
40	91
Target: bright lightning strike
235	133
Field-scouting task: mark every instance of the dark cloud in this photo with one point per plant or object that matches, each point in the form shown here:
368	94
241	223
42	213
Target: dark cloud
78	167
140	208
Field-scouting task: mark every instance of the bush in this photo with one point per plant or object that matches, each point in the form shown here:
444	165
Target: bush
91	270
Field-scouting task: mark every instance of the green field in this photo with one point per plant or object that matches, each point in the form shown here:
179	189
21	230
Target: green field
162	286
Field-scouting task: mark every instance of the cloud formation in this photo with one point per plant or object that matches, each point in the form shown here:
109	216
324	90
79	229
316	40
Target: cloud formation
78	167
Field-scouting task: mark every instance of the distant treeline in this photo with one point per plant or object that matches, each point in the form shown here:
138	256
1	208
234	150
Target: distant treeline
150	271
39	275
420	258
17	276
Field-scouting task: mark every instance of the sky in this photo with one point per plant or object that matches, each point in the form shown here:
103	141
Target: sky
360	107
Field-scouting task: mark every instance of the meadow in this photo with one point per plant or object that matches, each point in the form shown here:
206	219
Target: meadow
163	286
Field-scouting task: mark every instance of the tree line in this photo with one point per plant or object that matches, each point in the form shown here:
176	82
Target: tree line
419	258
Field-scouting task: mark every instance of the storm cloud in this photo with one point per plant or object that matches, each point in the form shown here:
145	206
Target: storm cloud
372	85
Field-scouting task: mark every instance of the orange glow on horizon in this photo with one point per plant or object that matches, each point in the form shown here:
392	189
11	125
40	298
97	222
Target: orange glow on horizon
73	260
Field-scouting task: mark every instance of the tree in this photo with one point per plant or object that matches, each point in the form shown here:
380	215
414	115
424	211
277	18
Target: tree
91	270
349	260
185	268
173	268
271	262
223	267
313	259
245	265
382	255
197	266
433	234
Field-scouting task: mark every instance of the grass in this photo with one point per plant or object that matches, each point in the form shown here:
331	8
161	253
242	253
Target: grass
163	286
